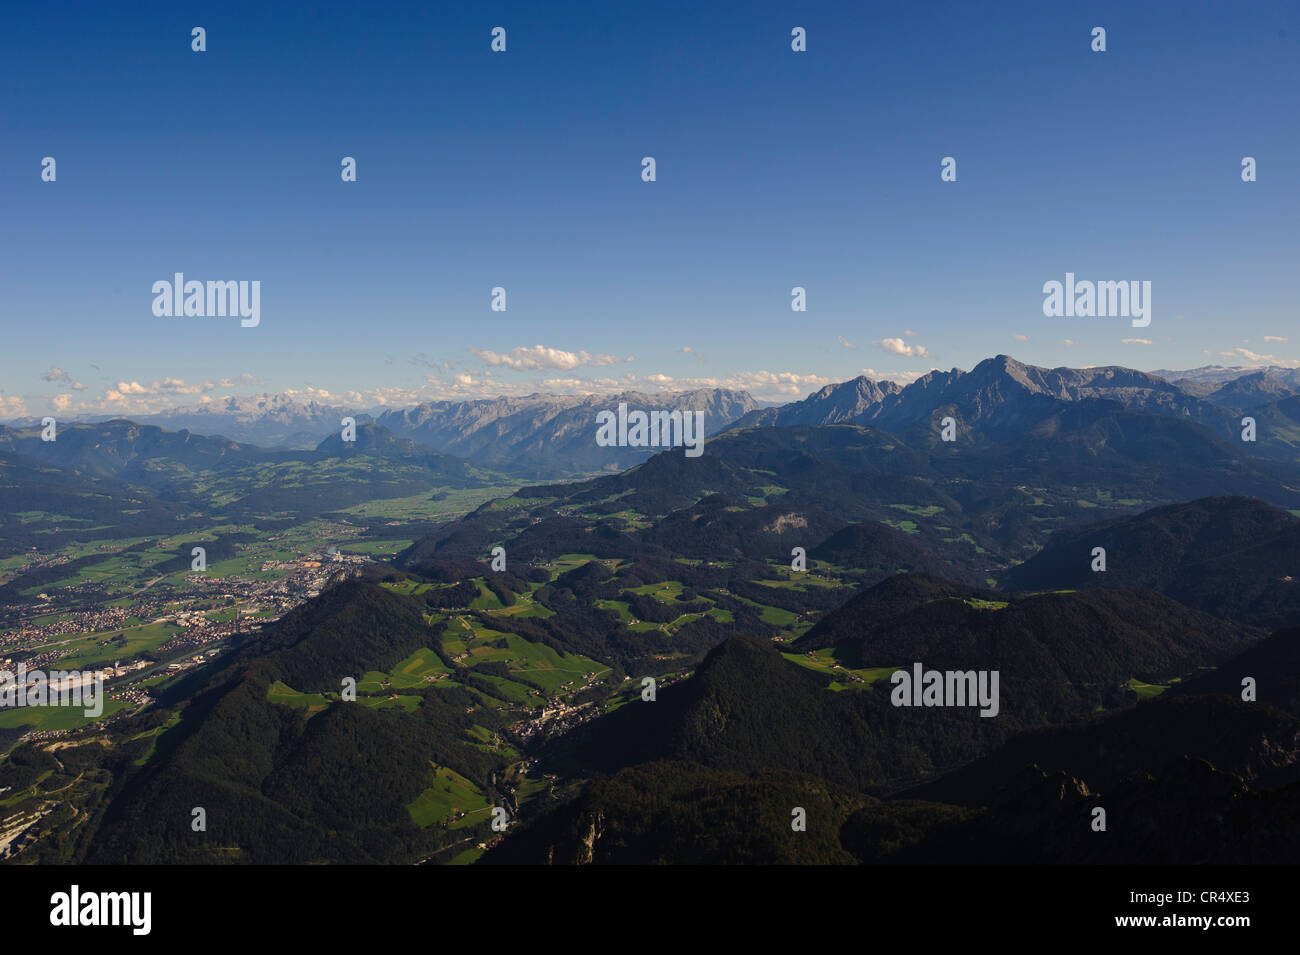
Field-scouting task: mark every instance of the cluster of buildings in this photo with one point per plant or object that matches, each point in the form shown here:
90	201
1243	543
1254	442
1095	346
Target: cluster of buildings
551	720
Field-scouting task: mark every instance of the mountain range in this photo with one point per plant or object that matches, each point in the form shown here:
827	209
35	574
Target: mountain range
543	436
770	589
1002	397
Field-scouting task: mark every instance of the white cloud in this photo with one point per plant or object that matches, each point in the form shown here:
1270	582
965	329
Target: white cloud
535	357
778	385
12	406
172	386
781	382
1255	358
845	342
1137	341
56	374
568	386
60	403
1274	338
1069	343
176	386
1021	338
900	347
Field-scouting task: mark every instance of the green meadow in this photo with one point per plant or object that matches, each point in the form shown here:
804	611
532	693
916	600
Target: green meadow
450	794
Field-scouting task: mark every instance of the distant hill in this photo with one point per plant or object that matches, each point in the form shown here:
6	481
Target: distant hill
1207	378
376	441
168	460
121	448
74	500
551	436
881	551
1257	388
1231	556
121	477
268	420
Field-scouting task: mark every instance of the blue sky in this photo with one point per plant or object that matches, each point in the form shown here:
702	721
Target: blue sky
522	170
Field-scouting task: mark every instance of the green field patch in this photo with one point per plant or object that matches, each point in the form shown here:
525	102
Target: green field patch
797	631
379	548
966	538
417	670
486	646
842	666
569	561
537	663
800	580
480	734
928	510
773	615
1147	691
486	599
420	669
108	646
452	799
979	604
47	718
665	592
157	679
485	700
683	620
909	527
468	857
621	608
407	587
282	693
372	682
550	668
525	606
403	701
514	692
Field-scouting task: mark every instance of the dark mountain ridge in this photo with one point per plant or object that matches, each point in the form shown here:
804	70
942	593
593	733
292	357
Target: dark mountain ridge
1236	557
